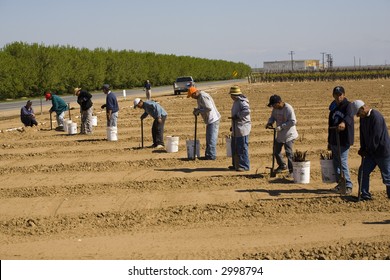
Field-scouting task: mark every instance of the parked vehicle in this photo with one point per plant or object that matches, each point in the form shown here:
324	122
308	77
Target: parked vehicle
182	84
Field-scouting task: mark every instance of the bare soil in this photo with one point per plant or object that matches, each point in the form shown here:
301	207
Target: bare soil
83	197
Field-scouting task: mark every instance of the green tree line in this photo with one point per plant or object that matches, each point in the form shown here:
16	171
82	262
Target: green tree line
29	70
328	75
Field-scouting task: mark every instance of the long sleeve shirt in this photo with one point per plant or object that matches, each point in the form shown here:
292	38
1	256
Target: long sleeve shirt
341	113
111	103
153	109
58	104
207	108
241	118
285	118
374	135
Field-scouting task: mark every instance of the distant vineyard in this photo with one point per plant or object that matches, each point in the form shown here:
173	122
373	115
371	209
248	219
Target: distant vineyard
328	75
30	69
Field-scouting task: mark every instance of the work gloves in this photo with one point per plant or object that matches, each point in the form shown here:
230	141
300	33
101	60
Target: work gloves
196	111
270	126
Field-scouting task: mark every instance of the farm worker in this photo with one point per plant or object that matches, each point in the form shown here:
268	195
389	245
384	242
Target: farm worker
211	117
284	116
374	146
341	117
241	128
148	90
86	109
112	107
27	115
59	106
159	115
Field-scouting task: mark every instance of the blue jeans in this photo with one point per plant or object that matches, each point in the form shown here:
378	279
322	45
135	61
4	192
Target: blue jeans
288	147
240	151
158	131
369	165
113	120
344	163
211	140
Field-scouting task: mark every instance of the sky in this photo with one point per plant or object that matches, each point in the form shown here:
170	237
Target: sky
354	32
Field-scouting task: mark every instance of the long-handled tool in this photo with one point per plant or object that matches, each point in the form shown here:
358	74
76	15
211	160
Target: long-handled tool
70	118
272	169
142	133
235	157
51	122
196	128
360	179
342	182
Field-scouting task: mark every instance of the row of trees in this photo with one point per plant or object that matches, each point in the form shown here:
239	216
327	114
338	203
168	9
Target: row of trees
328	75
29	70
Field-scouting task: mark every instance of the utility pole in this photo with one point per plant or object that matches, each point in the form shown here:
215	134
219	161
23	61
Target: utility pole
323	60
292	60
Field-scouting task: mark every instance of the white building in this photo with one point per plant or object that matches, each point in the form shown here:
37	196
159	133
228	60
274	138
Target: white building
288	65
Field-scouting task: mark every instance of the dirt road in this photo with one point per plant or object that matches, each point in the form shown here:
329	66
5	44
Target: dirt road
83	197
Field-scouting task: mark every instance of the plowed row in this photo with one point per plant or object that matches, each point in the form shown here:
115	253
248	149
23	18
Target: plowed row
83	197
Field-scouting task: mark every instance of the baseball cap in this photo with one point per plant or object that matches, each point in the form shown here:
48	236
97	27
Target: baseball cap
136	102
191	91
47	95
356	105
339	90
273	100
106	86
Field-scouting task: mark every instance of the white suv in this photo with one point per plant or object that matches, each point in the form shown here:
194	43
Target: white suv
182	84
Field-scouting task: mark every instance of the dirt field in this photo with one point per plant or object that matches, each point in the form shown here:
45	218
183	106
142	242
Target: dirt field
83	197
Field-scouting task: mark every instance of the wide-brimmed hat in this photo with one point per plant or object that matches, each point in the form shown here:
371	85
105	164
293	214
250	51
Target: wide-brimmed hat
76	90
191	91
235	90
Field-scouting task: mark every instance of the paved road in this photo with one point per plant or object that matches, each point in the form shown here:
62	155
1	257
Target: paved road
5	106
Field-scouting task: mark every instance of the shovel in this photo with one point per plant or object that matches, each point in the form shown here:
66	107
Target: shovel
51	122
234	142
142	133
70	118
196	128
360	179
272	169
342	181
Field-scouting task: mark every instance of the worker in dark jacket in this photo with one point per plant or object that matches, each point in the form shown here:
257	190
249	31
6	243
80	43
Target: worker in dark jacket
341	123
374	147
86	110
27	115
111	106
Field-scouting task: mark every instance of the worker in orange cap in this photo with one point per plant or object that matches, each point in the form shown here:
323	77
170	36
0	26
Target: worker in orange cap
211	117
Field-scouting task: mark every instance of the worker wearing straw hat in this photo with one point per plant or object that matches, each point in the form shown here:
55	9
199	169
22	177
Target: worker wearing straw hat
241	128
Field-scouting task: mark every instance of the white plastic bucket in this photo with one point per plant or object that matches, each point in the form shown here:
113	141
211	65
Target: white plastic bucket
94	120
72	128
327	171
172	144
112	133
301	172
228	146
67	125
190	149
